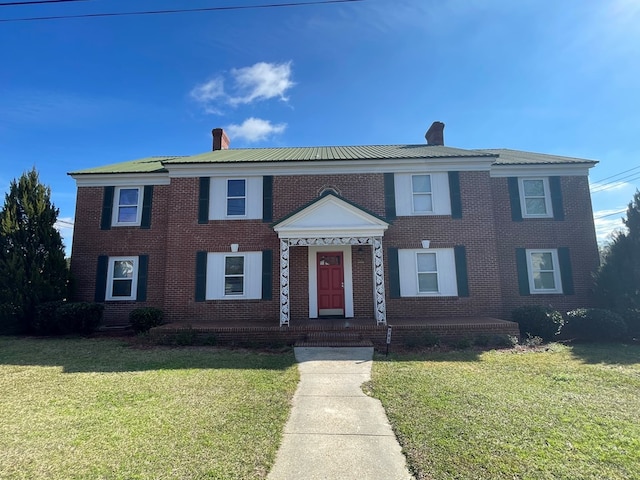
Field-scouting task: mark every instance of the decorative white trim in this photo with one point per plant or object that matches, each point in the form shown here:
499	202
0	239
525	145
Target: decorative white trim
321	167
313	278
380	307
545	169
284	283
121	179
308	242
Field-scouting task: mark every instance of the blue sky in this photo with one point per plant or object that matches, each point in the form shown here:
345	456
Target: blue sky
537	75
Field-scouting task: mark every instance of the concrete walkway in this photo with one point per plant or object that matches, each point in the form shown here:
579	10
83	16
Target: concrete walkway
335	431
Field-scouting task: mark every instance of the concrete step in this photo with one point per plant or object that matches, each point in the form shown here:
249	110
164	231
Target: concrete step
333	339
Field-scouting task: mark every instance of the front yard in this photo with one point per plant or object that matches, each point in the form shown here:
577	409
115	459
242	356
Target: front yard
84	408
556	413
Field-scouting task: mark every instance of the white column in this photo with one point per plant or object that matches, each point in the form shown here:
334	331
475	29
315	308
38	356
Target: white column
284	282
380	307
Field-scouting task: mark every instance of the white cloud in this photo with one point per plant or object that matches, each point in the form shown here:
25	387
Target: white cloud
255	129
262	81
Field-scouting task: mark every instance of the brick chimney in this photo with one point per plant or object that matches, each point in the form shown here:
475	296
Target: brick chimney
220	139
435	134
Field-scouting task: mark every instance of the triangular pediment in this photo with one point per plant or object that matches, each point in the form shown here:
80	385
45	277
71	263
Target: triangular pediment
331	216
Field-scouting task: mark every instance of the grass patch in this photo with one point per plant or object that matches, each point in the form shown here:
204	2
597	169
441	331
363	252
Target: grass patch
555	413
80	408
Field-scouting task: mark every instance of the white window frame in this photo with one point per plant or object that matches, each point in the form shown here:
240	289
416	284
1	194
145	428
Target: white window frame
446	271
216	275
425	194
440	195
228	197
556	271
547	198
418	272
235	275
218	196
116	207
110	279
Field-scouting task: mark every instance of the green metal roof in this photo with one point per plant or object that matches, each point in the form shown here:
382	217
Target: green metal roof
292	154
142	165
517	157
501	156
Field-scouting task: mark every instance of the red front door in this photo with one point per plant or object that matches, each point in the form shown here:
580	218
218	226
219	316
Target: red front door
330	284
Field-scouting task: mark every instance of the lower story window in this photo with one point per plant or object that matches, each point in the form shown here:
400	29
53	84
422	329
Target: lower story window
122	278
234	276
427	272
544	271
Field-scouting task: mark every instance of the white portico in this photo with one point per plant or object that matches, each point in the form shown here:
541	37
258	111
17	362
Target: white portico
329	227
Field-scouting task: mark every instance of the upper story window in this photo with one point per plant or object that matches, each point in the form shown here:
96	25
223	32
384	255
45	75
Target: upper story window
127	208
236	197
544	271
122	278
422	194
535	198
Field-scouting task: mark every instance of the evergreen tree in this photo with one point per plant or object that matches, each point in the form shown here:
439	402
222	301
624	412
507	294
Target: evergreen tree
32	264
618	279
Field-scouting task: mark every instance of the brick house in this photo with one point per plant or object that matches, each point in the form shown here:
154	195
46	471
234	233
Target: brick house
365	232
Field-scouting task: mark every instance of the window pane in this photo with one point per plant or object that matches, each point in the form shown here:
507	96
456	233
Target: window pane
128	196
535	206
533	188
427	282
235	188
427	262
544	281
122	288
123	269
127	214
421	183
235	206
233	285
422	203
234	266
542	261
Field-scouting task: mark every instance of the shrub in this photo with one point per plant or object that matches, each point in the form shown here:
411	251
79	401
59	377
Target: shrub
632	319
46	318
79	317
145	318
594	324
422	339
538	321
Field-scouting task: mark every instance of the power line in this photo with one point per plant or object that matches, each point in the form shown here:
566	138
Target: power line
37	2
615	183
615	175
609	214
159	12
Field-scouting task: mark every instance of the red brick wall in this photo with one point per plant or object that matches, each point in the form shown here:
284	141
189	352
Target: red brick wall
486	230
576	231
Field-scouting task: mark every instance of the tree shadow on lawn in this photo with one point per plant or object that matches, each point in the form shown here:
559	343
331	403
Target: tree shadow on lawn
607	353
99	355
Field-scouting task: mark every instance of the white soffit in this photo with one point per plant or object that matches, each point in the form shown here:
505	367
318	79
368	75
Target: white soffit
546	170
330	216
121	179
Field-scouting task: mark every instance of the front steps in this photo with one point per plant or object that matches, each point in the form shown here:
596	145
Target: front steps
333	339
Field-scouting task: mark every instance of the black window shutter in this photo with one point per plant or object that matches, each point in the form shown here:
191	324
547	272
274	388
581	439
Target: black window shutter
460	254
101	278
147	199
556	198
523	273
566	272
143	264
107	208
201	276
454	193
203	200
394	272
514	197
267	198
389	196
267	271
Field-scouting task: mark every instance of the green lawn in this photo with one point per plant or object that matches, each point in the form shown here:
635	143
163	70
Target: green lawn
561	413
100	409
